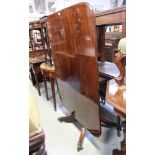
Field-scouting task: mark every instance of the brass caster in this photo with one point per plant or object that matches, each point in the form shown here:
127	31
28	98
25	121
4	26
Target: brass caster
79	147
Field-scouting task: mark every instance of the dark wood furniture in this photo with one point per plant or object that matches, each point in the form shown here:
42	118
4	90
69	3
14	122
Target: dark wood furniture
72	33
111	44
106	18
35	59
47	47
35	27
38	56
107	71
116	96
48	71
37	144
73	41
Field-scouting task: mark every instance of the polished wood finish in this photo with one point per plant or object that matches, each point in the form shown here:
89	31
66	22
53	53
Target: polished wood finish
35	59
72	34
36	54
48	71
73	40
116	96
36	25
120	61
116	89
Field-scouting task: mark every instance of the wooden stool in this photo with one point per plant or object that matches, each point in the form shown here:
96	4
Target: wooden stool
48	71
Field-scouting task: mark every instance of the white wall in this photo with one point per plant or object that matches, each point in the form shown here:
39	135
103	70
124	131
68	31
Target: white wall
100	4
59	4
103	4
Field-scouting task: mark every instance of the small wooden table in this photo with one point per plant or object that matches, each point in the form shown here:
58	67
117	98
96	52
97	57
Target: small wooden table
48	71
35	69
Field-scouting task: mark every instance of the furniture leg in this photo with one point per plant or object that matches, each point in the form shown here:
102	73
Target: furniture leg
118	126
44	77
53	92
124	141
123	144
102	42
32	78
81	139
68	119
116	152
37	83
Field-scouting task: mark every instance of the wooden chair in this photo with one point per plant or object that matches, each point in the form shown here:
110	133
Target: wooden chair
36	57
116	96
72	36
48	71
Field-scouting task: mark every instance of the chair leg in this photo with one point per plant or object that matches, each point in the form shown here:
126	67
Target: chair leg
37	83
44	78
123	143
118	126
53	92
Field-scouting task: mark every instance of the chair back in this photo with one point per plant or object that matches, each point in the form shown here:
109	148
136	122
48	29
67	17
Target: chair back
116	88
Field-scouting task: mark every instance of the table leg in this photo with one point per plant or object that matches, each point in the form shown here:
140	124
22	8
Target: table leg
53	92
37	83
44	77
81	139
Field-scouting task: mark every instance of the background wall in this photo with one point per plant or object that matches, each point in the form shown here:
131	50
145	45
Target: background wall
40	8
98	4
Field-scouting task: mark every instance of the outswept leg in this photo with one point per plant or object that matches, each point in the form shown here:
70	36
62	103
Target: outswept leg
68	119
